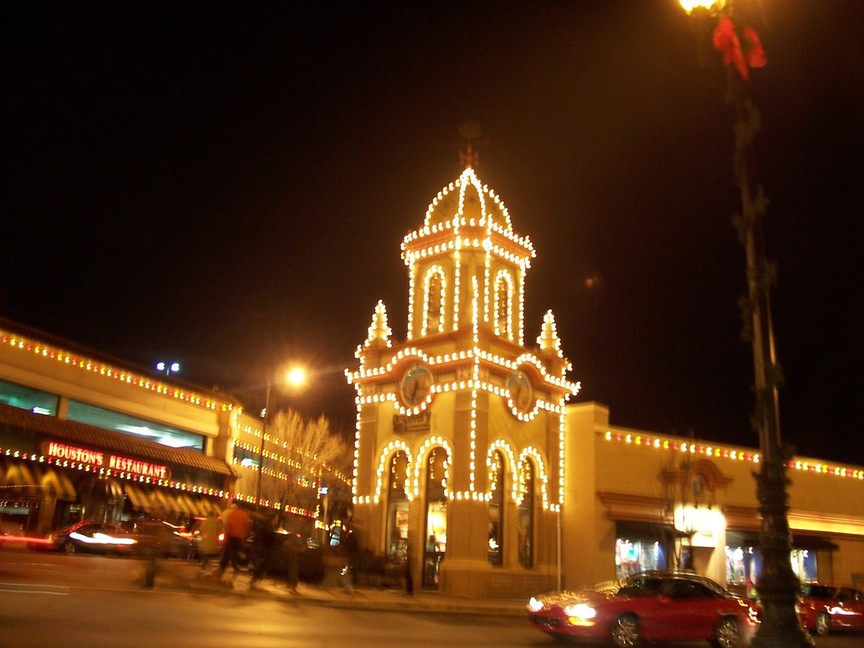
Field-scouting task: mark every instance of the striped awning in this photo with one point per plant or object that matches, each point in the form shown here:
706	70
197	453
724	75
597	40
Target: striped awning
217	507
185	505
208	506
211	507
160	501
141	499
166	502
59	483
22	476
37	479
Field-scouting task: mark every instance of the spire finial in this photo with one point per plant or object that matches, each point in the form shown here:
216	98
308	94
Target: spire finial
468	156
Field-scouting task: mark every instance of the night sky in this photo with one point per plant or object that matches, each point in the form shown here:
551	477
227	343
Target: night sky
228	185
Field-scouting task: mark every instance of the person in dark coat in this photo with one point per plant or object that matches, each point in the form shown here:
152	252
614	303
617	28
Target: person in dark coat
263	545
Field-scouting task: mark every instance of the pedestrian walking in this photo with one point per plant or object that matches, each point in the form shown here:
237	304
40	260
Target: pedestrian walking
237	526
263	546
208	541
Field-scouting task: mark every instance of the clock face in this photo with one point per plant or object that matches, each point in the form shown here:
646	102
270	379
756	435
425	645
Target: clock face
416	385
521	392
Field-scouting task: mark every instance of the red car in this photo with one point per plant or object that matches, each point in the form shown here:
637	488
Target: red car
823	608
648	606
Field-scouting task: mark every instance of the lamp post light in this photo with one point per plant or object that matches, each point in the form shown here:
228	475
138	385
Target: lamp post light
168	367
738	42
295	377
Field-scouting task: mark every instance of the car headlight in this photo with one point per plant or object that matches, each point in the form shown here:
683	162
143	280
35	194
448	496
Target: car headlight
580	613
535	605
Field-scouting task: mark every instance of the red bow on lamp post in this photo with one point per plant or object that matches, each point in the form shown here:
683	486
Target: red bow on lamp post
726	42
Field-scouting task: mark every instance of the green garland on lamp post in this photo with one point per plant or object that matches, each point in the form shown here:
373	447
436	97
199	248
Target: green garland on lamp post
735	38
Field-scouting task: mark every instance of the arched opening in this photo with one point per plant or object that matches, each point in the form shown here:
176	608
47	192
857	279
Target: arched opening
503	320
434	302
526	516
435	545
496	509
397	508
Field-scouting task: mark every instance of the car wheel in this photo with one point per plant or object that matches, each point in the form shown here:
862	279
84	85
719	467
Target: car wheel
625	632
69	547
727	634
823	624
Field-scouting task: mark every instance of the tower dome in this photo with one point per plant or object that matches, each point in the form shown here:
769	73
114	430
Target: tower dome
466	239
466	200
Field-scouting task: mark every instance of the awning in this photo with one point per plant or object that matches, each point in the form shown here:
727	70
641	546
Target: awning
184	504
100	489
646	531
165	502
799	541
199	506
160	501
811	542
21	475
213	507
141	499
59	483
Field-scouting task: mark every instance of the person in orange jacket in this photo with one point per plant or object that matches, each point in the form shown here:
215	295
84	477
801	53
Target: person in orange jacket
237	525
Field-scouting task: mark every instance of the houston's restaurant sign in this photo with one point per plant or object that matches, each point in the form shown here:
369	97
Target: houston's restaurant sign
101	459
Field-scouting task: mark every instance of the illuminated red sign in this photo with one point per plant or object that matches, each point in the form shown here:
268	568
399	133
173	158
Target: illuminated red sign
102	459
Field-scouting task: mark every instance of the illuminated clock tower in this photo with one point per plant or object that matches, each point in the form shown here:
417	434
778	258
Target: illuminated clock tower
458	459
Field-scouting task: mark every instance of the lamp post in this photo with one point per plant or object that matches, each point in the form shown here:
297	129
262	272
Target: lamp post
168	367
738	42
294	377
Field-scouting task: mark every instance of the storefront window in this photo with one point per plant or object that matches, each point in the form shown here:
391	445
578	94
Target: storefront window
35	401
744	566
639	548
804	565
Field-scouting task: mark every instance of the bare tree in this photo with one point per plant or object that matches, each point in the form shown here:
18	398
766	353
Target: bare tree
312	456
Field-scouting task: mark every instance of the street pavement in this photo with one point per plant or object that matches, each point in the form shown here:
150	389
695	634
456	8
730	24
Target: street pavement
19	569
188	576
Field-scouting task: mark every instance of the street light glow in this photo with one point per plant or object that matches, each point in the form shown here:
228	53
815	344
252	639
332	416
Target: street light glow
296	376
691	5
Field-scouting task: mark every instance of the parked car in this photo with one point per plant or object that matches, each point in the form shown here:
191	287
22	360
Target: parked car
89	537
824	608
160	538
648	606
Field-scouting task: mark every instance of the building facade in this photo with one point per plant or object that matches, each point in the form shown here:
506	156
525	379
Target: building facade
642	500
84	436
471	467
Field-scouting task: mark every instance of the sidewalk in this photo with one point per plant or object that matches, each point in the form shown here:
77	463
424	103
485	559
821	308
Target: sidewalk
364	598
